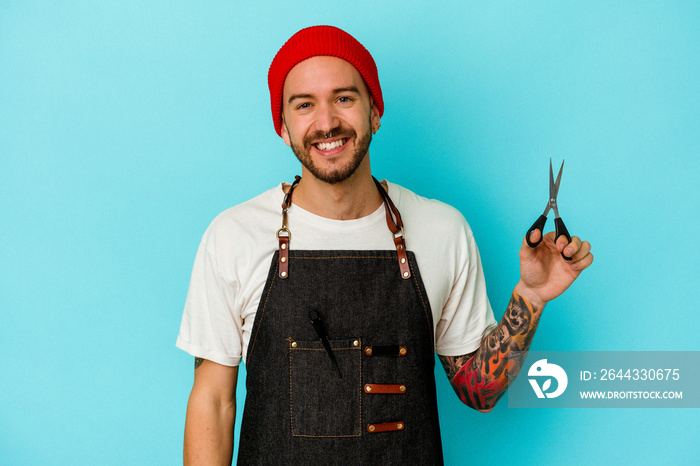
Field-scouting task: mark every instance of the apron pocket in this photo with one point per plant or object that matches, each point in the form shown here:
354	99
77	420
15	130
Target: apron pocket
321	403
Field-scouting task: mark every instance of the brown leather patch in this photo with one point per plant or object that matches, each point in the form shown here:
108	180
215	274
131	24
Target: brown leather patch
386	350
385	427
385	388
403	259
284	257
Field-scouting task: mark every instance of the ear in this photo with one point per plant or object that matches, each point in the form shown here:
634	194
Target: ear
285	133
374	120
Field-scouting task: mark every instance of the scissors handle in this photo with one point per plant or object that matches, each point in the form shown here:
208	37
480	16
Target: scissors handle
560	229
538	225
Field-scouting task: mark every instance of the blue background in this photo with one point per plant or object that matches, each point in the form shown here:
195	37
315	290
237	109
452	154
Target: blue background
125	127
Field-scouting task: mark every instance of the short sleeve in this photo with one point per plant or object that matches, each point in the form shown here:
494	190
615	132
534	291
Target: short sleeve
211	328
467	316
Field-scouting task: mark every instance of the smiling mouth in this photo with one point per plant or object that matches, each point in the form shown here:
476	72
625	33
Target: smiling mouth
329	146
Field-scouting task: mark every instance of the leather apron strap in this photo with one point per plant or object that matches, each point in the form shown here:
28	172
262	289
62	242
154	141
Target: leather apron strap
393	222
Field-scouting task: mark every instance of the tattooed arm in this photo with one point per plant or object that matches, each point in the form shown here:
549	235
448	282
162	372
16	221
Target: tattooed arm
481	378
211	412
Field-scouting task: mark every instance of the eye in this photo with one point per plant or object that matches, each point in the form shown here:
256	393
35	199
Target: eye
303	105
344	99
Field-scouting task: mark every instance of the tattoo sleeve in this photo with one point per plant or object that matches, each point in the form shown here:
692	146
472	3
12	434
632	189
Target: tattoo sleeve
198	362
481	378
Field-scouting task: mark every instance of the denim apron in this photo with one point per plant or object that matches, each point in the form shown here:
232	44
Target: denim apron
369	398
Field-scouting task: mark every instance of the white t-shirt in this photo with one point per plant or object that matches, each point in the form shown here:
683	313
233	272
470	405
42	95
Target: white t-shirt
234	258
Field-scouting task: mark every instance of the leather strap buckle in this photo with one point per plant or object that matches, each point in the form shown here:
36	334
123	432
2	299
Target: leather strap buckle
283	261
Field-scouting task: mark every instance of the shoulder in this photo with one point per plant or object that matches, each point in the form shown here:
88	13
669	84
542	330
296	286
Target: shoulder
242	223
428	216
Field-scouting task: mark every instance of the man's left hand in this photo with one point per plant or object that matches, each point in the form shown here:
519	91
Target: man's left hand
544	274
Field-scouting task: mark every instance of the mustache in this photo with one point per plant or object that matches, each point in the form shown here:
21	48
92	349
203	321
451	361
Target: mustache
337	132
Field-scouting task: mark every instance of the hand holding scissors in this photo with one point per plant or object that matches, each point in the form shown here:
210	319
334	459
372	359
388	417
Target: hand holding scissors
560	228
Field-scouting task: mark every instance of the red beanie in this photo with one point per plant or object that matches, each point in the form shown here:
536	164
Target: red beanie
320	41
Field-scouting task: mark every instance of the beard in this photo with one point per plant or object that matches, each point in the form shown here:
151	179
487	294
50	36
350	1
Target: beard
340	170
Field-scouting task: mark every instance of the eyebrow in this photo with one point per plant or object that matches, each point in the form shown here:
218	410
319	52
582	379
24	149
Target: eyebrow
339	90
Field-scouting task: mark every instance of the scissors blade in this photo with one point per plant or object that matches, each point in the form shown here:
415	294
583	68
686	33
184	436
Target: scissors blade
323	335
554	187
556	183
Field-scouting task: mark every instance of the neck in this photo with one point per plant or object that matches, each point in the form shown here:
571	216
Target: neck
353	198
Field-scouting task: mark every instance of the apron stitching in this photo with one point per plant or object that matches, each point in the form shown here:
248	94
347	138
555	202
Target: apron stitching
252	346
346	257
291	406
322	349
291	409
272	284
420	294
360	390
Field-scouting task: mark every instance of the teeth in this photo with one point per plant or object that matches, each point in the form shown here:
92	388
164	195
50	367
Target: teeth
330	145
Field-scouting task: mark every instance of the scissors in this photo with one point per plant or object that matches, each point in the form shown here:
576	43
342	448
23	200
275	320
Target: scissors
323	335
560	228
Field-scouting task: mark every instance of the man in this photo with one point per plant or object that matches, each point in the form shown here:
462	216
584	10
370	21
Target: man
338	325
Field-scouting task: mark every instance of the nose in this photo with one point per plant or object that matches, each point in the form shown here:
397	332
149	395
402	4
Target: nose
326	118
